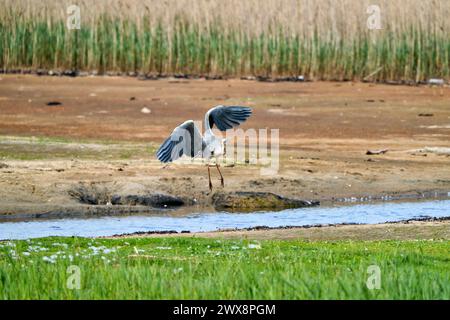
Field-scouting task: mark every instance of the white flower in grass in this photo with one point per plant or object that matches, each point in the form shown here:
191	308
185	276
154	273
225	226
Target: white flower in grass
254	246
26	253
163	248
48	259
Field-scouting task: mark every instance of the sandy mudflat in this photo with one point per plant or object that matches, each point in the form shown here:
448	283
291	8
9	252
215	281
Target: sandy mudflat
99	137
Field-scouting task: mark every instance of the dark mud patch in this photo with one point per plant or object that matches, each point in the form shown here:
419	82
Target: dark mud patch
254	201
80	211
147	233
91	194
325	225
154	200
101	195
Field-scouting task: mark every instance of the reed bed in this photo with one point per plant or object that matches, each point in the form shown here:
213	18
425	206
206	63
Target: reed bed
324	40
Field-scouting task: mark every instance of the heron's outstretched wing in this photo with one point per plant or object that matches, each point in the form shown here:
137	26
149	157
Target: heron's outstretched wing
227	117
185	139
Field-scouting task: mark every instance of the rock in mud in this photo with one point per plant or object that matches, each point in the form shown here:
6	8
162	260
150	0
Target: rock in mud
251	201
3	165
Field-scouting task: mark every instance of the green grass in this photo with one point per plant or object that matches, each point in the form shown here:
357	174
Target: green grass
189	268
41	148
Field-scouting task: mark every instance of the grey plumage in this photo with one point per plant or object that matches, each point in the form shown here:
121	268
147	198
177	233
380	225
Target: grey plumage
227	117
186	139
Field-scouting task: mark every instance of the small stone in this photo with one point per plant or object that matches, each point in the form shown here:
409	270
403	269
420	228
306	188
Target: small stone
54	103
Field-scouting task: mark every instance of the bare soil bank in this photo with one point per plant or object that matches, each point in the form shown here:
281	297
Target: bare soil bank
96	135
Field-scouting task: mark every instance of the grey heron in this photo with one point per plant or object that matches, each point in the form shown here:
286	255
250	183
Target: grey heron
186	139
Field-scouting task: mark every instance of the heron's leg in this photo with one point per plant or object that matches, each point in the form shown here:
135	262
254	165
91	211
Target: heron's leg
221	176
209	177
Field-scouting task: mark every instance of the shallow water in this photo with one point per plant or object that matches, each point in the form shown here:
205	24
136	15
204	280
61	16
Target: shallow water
106	226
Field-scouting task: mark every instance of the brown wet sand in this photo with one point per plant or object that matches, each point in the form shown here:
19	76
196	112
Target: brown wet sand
325	130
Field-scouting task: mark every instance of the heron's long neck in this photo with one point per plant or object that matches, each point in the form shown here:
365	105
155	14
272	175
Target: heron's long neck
208	130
